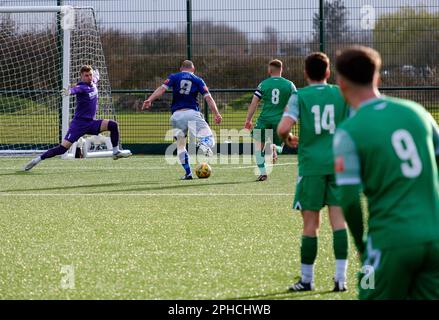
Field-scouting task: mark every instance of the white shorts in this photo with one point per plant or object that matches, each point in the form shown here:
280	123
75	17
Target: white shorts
189	121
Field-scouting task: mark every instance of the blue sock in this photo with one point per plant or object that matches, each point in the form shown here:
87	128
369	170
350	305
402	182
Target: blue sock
184	160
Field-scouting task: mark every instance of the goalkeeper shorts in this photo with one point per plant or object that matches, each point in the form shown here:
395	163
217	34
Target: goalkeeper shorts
78	128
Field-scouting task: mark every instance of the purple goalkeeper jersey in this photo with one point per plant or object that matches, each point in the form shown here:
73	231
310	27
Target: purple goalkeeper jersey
86	100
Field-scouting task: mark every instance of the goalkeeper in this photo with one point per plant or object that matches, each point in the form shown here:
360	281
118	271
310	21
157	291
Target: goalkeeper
84	120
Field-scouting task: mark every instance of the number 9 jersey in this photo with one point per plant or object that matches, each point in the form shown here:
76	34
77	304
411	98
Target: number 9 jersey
390	147
185	88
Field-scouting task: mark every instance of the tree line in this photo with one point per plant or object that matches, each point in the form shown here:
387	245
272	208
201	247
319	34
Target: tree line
227	57
408	40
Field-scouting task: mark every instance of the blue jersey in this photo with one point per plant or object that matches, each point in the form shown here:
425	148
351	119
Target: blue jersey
185	88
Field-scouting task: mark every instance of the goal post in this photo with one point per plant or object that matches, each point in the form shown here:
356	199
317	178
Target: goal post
42	49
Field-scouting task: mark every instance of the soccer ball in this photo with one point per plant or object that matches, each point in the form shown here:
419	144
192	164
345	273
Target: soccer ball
203	170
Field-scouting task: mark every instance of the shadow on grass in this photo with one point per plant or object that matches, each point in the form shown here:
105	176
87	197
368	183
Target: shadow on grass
127	187
184	184
285	294
95	185
25	173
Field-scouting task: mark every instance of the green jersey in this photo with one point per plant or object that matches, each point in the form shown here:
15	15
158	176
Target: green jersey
274	93
389	146
319	108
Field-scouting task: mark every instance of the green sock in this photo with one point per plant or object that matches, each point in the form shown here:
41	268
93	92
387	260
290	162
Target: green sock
260	161
340	243
308	250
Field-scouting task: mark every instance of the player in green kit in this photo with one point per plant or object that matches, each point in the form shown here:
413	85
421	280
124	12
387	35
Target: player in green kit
274	93
320	108
389	150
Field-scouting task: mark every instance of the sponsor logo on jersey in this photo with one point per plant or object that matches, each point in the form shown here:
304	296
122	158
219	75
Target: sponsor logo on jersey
93	94
381	106
339	164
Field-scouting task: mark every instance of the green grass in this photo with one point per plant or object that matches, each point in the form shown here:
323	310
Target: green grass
140	127
147	127
132	230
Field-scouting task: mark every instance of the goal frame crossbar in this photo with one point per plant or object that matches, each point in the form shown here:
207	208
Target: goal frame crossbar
67	25
67	29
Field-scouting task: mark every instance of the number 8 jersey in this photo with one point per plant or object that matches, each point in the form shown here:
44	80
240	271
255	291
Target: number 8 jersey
185	88
319	109
274	93
389	147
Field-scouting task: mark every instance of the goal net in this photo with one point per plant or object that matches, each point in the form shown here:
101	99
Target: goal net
41	51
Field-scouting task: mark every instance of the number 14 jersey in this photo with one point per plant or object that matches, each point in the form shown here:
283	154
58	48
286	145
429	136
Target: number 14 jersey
319	109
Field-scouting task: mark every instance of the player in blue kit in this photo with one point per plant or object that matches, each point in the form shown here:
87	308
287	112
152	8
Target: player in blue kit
186	117
84	120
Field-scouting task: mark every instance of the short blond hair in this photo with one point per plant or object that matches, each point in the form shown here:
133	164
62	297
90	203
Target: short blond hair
86	68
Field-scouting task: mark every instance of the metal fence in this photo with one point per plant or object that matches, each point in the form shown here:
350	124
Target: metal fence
231	42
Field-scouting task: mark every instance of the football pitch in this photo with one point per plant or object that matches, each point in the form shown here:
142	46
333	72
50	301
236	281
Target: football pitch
129	229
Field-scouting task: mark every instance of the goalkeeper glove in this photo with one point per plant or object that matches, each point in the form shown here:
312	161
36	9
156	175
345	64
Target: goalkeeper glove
65	92
96	75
